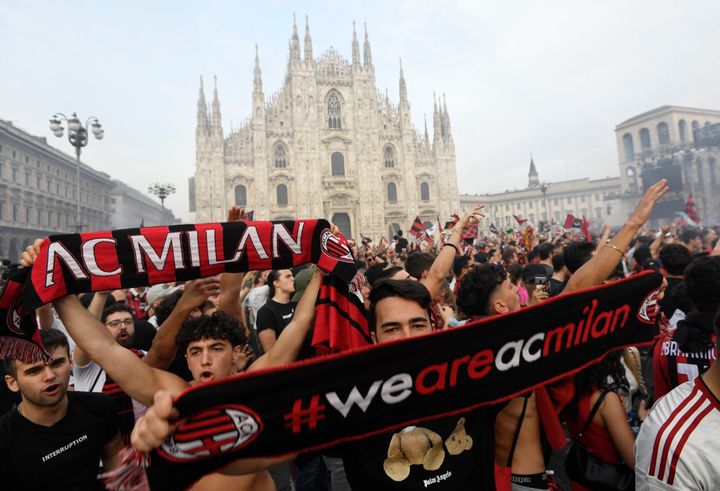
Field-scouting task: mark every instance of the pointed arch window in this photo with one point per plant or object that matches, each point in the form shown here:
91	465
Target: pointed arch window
337	164
240	195
334	112
389	157
282	195
424	191
392	192
280	156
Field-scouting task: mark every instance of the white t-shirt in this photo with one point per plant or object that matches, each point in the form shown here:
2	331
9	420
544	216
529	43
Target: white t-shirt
679	443
91	378
256	298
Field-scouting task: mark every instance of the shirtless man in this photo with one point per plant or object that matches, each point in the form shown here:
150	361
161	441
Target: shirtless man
487	291
209	358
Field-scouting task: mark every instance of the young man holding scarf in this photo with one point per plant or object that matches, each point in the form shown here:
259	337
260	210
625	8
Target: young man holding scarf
55	439
209	358
459	451
487	291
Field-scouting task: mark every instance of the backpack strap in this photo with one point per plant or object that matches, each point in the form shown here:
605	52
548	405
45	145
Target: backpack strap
593	412
516	436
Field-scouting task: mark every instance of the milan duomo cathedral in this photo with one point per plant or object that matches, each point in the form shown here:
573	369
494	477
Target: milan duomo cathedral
327	144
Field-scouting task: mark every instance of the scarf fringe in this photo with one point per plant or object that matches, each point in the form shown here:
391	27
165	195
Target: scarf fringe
130	474
21	349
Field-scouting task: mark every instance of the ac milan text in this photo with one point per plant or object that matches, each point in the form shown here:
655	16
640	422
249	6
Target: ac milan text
472	366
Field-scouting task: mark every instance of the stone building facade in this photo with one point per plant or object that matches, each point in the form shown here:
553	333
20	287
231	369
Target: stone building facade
327	144
665	142
38	191
548	201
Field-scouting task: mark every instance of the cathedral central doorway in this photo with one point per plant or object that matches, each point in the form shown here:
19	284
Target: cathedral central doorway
342	220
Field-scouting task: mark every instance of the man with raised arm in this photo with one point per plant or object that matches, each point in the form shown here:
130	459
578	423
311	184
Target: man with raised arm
213	347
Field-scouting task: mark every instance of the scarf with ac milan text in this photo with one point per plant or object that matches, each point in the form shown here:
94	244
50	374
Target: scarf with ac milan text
95	261
318	403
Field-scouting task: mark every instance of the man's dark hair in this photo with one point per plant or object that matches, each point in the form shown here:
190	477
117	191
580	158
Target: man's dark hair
679	295
388	273
51	339
544	250
114	309
675	258
399	233
417	263
273	276
577	253
508	253
689	234
558	261
642	254
702	283
481	257
87	298
258	278
372	273
407	289
218	326
477	287
459	263
166	306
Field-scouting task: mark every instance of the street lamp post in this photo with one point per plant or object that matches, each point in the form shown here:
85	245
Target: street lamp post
78	138
544	187
162	191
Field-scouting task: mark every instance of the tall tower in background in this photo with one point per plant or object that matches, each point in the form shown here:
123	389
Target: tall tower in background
327	144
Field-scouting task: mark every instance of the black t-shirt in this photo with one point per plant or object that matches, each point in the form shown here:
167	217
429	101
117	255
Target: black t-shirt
667	304
400	244
275	316
453	453
556	287
63	456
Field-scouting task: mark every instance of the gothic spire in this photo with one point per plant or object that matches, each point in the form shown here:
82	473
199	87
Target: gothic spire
427	138
294	44
403	87
446	116
202	115
257	82
437	128
308	42
355	48
215	118
366	50
533	177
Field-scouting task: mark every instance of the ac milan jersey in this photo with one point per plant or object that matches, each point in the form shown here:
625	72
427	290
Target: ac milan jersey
679	443
672	366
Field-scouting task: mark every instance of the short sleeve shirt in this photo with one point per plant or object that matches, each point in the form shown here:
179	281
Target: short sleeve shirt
65	455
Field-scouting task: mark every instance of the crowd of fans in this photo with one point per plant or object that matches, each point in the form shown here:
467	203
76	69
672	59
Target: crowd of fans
118	359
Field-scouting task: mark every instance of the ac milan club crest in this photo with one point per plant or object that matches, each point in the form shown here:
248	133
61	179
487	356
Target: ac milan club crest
335	247
212	432
650	308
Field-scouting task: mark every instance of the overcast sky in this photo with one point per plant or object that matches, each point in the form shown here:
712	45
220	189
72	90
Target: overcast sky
551	78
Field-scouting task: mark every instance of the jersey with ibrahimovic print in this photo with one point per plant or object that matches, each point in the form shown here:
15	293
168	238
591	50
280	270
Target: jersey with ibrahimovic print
679	443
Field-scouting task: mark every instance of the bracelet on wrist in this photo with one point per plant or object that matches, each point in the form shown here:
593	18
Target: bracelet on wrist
613	246
448	244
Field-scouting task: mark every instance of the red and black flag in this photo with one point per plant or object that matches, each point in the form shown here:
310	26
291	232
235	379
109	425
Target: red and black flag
520	220
418	231
572	222
471	233
340	319
454	218
494	229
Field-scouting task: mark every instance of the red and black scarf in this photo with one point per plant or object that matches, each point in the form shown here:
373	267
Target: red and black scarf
94	261
363	392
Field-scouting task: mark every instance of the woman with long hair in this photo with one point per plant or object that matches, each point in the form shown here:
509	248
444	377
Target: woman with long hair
608	435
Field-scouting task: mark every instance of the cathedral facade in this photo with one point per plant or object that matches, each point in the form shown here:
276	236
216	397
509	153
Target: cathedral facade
327	144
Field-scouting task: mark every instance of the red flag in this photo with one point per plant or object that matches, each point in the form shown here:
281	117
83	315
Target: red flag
586	229
471	233
691	210
453	220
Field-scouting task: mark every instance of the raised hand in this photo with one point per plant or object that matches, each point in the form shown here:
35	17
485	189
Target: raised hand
156	425
644	208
